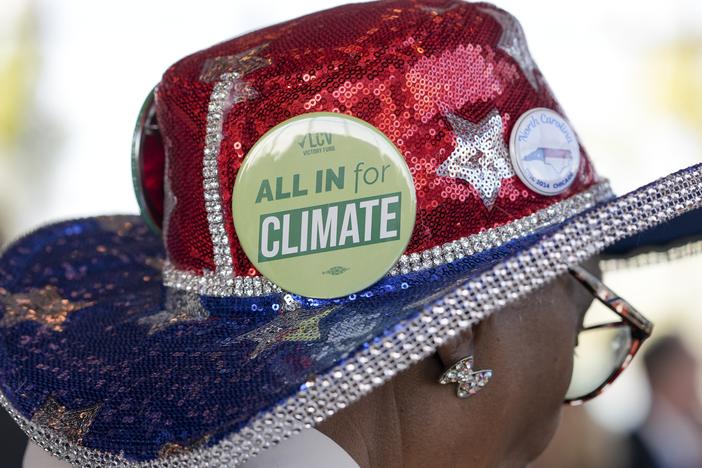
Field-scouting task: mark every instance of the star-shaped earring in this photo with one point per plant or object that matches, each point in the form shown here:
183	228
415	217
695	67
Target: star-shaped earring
513	42
469	381
480	156
44	305
72	424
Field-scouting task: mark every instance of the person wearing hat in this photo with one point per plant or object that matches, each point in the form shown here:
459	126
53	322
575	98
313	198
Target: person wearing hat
369	236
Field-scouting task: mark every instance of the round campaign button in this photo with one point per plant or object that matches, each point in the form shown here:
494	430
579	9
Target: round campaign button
324	205
545	151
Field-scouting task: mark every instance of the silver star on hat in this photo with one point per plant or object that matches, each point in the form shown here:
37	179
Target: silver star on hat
480	156
513	42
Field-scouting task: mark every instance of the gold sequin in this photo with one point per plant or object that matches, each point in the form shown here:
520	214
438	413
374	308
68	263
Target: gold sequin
43	305
154	262
115	224
171	448
72	424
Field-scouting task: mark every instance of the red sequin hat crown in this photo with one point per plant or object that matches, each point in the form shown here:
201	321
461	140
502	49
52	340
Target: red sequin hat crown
446	82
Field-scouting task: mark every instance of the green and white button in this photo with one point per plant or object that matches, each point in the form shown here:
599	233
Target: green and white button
324	205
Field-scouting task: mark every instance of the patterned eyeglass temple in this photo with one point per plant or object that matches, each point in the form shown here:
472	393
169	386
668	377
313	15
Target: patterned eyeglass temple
639	325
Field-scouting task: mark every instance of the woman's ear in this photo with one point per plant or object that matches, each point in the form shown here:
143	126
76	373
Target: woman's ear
457	348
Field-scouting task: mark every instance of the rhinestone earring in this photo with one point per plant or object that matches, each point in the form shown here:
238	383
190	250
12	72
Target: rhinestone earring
469	381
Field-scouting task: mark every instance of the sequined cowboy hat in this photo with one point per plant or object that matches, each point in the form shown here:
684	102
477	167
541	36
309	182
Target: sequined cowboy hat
257	296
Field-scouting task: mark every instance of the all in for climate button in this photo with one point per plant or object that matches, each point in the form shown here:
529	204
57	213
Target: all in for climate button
320	193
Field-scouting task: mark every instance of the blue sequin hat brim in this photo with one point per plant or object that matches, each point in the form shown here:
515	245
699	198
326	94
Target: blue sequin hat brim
102	364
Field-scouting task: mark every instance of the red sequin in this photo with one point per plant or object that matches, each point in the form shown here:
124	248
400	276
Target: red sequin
399	65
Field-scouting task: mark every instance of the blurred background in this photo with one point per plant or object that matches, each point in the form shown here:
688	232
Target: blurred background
628	73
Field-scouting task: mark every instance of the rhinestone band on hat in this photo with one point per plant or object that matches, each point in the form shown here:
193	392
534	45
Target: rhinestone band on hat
212	285
251	286
223	276
229	90
497	236
323	395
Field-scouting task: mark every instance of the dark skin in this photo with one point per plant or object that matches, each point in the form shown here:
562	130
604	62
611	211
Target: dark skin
412	421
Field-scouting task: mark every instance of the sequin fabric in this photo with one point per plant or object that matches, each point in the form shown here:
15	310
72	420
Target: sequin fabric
179	307
162	368
480	156
239	374
445	81
513	42
72	424
44	305
104	365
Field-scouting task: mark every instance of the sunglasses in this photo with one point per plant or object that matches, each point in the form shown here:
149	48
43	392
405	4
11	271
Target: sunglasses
606	348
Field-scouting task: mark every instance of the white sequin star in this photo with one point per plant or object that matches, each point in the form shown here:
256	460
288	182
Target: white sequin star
480	156
513	42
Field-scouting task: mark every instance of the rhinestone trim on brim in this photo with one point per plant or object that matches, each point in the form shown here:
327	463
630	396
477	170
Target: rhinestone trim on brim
574	242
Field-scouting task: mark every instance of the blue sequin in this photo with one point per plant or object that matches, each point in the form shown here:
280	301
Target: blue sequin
190	378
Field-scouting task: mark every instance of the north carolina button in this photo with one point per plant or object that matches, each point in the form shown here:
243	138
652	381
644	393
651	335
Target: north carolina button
324	205
545	151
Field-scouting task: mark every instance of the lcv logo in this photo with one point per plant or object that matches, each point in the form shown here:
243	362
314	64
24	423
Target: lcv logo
314	143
